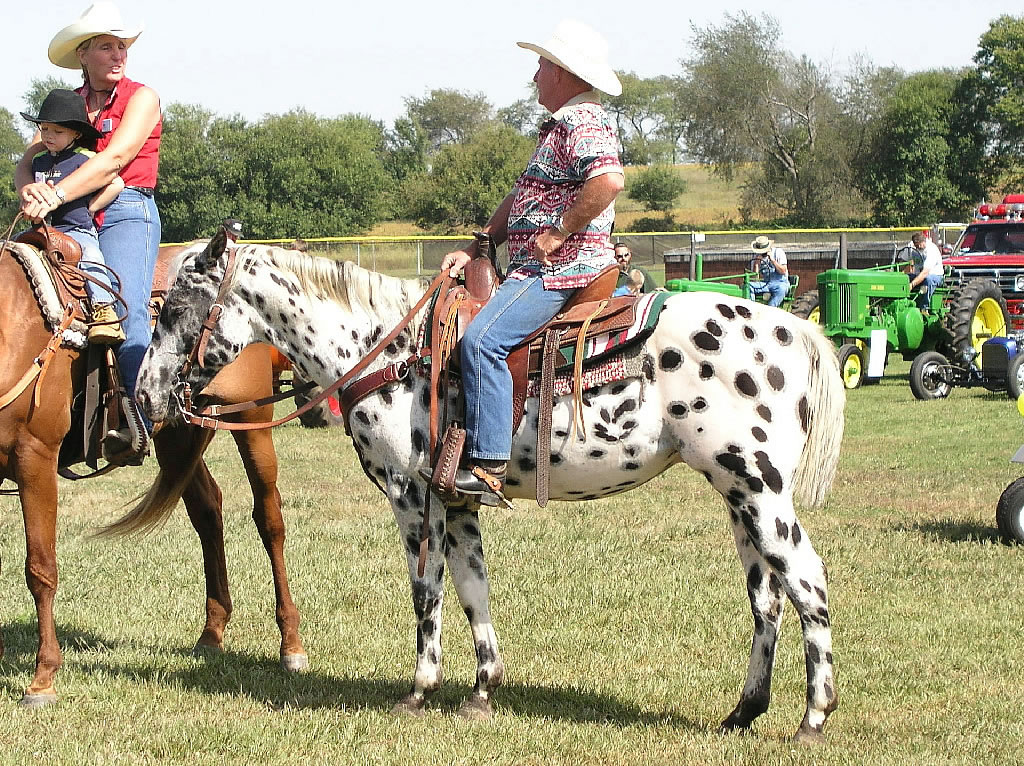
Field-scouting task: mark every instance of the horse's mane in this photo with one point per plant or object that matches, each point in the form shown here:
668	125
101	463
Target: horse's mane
348	284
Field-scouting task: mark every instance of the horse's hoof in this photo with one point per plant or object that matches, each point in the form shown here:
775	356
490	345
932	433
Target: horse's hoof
476	708
295	663
410	705
207	652
34	701
808	736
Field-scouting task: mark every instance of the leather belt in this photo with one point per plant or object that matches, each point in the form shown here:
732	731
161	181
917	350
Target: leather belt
146	191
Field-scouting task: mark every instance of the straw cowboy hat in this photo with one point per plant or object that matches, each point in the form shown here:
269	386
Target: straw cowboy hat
99	19
762	244
581	50
67	108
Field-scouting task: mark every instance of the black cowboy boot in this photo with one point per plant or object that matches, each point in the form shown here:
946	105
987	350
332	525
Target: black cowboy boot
485	478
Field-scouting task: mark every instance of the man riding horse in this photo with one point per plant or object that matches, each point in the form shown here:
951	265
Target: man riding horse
557	222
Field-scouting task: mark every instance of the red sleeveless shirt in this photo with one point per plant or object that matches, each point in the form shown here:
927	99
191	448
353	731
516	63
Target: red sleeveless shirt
142	170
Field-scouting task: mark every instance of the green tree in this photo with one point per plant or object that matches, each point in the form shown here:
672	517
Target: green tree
448	116
657	188
640	111
990	110
524	115
753	101
38	89
466	182
906	174
12	146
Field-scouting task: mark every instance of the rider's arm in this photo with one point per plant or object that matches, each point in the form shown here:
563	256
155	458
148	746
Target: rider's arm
596	195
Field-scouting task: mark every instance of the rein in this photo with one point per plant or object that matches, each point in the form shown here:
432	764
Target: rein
210	416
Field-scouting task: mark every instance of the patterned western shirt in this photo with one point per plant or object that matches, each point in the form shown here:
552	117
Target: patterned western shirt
578	143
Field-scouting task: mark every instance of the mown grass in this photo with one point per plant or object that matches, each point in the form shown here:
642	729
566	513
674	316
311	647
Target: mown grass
624	622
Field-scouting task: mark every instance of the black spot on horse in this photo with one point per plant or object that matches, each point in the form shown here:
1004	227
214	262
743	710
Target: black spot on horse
778	563
783	336
759	357
755	484
781	529
596	453
700	404
744	312
746	385
749	332
627	406
759	434
765	413
526	465
678	410
732	463
776	379
706	342
754	577
725	311
631	466
618	388
707	371
713	327
769	472
797	534
804	410
671	360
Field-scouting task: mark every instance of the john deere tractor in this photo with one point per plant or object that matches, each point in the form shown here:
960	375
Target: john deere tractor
870	313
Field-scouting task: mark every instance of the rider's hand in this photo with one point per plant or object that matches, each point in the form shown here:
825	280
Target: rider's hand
546	243
38	200
455	261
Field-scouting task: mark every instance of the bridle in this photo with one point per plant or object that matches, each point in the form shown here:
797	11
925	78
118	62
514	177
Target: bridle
211	415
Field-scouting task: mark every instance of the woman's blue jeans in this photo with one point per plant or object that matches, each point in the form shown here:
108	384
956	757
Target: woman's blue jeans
130	240
513	313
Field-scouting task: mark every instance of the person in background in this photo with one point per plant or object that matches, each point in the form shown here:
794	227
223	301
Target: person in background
927	268
633	286
300	244
771	266
127	114
624	257
557	222
69	138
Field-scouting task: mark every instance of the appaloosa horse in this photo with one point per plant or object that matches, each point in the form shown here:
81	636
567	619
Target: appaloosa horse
30	440
748	395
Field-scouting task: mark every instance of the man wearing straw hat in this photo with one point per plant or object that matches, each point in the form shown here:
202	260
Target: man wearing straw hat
770	264
557	222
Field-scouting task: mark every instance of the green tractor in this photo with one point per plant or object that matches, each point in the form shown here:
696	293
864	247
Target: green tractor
870	313
726	286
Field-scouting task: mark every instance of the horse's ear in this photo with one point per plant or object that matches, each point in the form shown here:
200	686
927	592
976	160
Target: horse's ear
214	250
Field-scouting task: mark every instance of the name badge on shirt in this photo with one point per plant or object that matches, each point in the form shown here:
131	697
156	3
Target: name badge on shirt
40	177
106	125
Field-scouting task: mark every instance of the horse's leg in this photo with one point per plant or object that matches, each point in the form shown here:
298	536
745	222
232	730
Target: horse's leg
202	498
465	553
406	496
36	476
770	526
260	460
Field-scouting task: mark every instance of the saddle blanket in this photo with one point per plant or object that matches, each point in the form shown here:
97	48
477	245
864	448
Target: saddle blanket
41	278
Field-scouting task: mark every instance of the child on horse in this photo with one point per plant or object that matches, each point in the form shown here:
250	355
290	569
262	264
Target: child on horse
69	139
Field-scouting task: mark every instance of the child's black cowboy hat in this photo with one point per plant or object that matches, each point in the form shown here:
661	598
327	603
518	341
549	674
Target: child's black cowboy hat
66	108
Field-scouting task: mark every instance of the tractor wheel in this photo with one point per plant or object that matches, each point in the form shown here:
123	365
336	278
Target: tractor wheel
1015	377
927	376
1010	512
977	312
851	365
807	306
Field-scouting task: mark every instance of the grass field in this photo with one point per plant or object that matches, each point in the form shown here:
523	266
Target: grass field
624	622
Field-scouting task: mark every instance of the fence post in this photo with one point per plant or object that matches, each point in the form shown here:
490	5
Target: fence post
693	260
358	255
842	249
419	258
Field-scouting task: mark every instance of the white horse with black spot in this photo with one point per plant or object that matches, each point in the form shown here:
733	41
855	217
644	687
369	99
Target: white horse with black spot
748	395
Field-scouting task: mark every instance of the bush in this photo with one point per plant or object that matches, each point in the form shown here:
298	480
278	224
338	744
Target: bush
657	187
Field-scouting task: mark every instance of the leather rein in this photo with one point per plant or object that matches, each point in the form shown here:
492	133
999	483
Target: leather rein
211	415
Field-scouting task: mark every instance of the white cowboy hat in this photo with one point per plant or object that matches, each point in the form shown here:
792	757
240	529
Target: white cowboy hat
762	244
101	18
581	50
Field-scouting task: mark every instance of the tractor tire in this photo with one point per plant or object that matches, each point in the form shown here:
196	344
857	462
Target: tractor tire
1015	377
320	416
926	378
977	312
851	365
1010	512
807	306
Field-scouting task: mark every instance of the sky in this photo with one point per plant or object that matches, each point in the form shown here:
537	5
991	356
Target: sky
333	57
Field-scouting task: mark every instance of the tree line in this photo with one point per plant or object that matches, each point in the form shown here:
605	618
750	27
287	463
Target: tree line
875	146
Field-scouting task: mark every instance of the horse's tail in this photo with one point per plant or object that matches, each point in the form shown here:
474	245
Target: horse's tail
175	473
821	416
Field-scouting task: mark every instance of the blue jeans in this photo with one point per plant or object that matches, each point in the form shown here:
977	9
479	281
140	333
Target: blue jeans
516	310
92	263
930	282
130	240
777	287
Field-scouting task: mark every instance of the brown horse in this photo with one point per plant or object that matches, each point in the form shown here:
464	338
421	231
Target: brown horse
30	440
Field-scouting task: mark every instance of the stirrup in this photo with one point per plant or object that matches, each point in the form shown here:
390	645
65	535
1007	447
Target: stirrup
478	482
